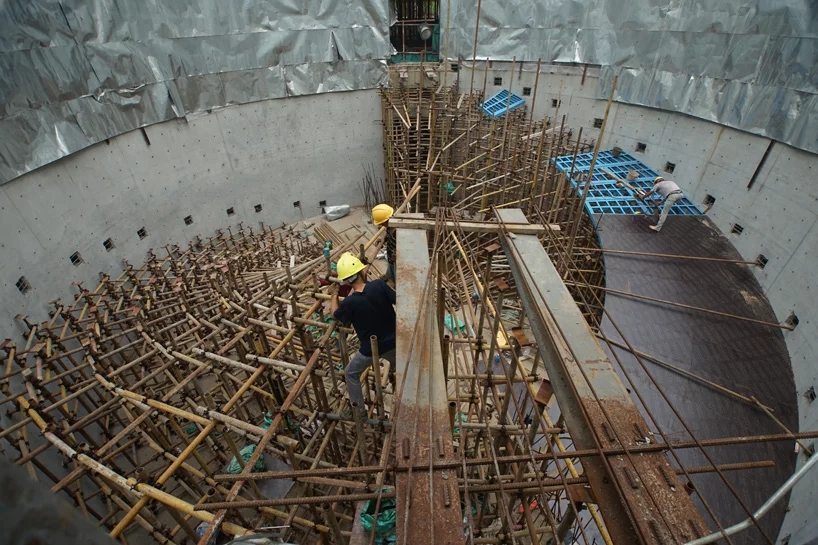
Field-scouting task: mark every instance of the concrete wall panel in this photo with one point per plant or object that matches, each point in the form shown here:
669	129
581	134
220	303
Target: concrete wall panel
646	125
26	249
689	136
271	153
792	173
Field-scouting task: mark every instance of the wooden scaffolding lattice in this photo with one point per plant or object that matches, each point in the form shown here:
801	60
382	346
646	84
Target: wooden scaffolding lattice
439	142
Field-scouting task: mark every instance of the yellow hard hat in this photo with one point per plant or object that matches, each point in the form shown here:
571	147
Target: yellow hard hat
348	266
381	213
658	179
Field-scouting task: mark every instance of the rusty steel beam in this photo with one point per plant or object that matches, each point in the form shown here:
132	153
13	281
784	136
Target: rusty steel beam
537	457
428	501
640	503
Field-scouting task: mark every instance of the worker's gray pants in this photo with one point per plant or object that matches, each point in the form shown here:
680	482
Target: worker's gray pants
669	202
358	363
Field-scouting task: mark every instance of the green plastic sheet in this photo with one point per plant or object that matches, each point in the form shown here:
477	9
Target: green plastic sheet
450	322
317	332
384	527
234	467
462	418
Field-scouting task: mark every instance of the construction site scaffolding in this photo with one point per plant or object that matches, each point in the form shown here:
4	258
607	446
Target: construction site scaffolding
202	392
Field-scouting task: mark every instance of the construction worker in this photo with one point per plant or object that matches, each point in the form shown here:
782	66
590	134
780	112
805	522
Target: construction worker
368	307
670	192
380	216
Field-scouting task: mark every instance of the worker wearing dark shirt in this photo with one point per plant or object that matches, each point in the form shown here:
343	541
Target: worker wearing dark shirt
391	251
369	309
380	216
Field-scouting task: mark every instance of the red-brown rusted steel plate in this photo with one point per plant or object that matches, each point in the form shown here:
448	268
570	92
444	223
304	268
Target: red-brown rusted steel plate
428	502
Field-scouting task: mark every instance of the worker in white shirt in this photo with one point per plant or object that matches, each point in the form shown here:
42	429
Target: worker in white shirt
670	192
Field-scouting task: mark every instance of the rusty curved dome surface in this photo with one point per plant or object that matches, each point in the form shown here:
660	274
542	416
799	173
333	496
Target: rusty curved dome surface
748	358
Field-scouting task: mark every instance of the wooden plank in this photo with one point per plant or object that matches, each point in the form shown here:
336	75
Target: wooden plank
520	336
359	535
403	222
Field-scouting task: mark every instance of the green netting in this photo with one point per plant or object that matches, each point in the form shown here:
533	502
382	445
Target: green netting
384	526
193	429
475	503
234	467
289	422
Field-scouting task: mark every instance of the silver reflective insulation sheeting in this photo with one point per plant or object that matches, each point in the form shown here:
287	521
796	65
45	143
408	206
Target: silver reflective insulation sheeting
77	72
748	64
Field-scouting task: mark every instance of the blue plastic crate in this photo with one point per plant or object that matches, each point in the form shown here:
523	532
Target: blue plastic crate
603	195
500	104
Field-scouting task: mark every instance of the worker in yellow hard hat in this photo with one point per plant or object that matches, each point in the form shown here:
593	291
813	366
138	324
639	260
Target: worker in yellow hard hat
380	216
670	192
369	308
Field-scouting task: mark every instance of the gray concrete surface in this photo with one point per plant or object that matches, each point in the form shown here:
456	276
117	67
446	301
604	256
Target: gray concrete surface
33	514
273	153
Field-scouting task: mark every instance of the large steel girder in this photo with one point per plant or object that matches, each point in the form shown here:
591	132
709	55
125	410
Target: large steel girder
640	497
428	502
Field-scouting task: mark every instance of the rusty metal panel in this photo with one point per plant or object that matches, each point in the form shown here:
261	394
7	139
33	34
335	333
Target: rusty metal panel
428	502
748	357
639	503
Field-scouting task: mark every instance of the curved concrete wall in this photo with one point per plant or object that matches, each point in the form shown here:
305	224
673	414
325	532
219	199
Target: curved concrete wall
778	212
273	153
74	73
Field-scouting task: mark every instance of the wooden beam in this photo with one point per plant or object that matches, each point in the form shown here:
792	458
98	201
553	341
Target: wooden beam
403	222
